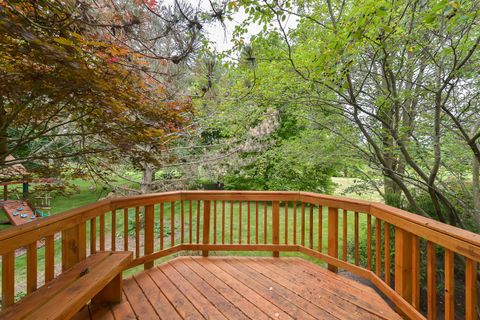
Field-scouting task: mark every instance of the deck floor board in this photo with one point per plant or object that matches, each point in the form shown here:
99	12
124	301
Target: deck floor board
244	288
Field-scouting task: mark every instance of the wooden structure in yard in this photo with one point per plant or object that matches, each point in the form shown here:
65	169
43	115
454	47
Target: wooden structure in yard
312	225
21	211
18	211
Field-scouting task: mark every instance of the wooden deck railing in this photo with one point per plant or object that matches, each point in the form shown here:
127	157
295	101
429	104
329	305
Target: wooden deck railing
157	225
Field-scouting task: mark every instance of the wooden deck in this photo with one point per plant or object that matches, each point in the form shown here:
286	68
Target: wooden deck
242	288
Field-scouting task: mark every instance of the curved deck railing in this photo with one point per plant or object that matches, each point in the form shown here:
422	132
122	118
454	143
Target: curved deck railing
157	225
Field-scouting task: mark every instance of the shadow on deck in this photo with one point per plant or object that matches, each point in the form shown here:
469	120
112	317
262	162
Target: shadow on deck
242	288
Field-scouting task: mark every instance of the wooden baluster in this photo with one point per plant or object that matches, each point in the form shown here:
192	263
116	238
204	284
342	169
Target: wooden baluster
102	232
378	247
345	235
190	221
286	222
470	289
198	221
74	245
5	192
275	226
49	258
240	222
125	229
449	285
162	210
231	222
431	281
387	252
114	229
311	226
294	222
182	222
265	208
416	272
333	236
403	264
137	232
93	235
369	242
356	235
8	279
256	222
215	221
303	224
32	267
248	222
172	223
223	221
148	234
206	225
320	228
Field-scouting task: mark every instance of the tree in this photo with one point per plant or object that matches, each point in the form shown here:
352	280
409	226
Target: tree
68	90
258	140
400	73
167	38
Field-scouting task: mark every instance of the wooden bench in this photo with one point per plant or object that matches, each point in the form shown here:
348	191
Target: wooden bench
97	278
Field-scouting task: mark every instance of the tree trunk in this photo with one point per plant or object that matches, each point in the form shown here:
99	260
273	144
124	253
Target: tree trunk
476	182
147	178
3	134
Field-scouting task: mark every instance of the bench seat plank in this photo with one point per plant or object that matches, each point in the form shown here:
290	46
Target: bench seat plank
66	295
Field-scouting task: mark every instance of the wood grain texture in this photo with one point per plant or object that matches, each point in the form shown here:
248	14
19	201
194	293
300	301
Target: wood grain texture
275	225
356	239
449	289
386	239
332	235
431	281
249	288
8	279
148	234
50	258
471	274
32	267
403	263
378	247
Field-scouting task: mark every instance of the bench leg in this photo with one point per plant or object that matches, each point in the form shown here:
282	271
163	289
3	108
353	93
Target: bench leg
112	293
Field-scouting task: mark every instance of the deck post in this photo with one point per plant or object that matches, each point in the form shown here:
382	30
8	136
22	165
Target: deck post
5	192
333	236
206	225
275	226
112	293
149	222
403	263
8	279
74	247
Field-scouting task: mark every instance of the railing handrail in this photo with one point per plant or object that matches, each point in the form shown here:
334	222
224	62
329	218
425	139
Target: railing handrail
408	230
456	239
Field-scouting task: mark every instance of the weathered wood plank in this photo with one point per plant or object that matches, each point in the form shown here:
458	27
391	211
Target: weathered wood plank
148	234
275	226
431	281
8	279
206	226
332	235
449	285
32	267
403	263
49	258
471	275
356	240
